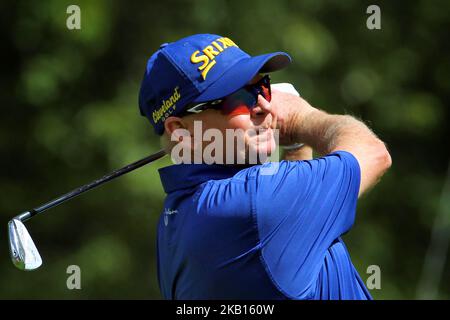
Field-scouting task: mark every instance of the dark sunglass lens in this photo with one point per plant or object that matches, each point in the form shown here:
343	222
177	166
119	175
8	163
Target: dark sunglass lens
265	92
262	87
239	99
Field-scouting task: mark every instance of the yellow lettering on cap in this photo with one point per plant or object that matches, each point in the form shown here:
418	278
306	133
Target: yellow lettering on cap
210	52
216	45
208	58
205	72
230	42
167	106
224	42
197	59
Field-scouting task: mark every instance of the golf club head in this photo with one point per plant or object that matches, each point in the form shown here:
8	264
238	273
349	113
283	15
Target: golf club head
24	253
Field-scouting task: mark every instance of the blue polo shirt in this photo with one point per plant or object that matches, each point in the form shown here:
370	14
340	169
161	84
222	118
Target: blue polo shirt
230	232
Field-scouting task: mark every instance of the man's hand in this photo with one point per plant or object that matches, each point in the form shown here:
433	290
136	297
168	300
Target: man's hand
290	111
298	121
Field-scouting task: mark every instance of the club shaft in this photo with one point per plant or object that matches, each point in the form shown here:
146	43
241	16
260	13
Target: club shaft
76	192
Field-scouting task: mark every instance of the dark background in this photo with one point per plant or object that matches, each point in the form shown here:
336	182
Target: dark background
69	114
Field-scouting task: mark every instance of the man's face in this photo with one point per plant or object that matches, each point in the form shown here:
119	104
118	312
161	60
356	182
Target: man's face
254	130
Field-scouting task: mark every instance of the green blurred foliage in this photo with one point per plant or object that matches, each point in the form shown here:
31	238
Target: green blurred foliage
69	115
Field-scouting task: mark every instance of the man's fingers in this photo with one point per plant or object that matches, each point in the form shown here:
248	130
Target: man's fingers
268	107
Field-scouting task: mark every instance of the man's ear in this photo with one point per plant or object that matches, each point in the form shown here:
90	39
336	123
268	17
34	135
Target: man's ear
172	124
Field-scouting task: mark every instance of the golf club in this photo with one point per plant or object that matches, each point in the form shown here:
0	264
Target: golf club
24	253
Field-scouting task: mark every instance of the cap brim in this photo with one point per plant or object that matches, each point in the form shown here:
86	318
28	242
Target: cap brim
242	72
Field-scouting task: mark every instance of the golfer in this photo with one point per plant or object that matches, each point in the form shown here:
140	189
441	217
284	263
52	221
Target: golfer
234	228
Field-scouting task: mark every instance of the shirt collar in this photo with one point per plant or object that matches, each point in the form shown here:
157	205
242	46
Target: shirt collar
182	176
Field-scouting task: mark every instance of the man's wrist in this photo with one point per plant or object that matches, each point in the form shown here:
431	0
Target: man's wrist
299	125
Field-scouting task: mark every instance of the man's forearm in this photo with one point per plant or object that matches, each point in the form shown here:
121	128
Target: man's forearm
325	132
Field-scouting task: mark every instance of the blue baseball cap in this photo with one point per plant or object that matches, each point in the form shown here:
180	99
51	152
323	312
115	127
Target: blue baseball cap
195	69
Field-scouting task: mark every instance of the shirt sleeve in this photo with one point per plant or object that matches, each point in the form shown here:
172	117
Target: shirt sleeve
301	210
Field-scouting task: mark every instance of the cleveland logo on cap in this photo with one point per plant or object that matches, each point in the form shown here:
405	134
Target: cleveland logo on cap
167	106
210	52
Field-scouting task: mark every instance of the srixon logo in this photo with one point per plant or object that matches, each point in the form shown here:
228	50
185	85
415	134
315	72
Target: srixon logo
209	54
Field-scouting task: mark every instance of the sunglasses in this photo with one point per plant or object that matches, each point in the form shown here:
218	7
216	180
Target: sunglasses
239	102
